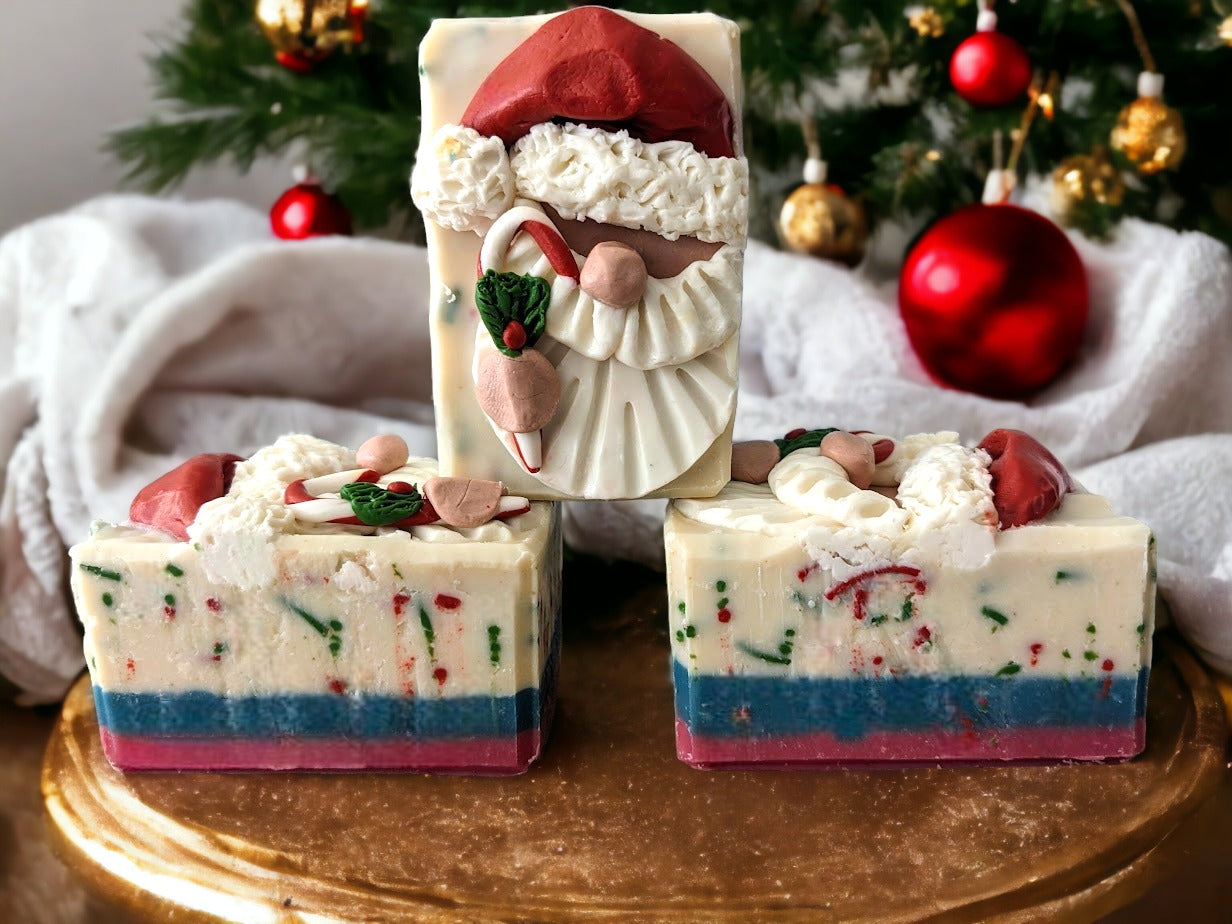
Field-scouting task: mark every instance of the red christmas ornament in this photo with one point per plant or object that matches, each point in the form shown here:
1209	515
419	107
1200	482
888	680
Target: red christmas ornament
994	298
990	68
306	210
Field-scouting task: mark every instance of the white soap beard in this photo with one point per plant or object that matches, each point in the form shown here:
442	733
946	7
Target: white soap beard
668	364
463	181
676	320
943	513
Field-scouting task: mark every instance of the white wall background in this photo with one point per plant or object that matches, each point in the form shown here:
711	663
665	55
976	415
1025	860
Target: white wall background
71	70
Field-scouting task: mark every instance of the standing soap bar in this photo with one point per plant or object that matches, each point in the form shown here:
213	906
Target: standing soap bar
317	608
586	203
963	604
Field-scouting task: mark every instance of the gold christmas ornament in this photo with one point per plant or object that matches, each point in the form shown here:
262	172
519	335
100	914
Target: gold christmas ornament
1151	134
818	219
1225	31
1083	180
304	32
926	21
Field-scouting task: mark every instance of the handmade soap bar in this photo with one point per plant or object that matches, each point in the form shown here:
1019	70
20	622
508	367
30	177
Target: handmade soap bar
322	614
814	622
586	202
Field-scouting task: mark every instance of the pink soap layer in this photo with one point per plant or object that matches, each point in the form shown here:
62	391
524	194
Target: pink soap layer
484	756
1019	744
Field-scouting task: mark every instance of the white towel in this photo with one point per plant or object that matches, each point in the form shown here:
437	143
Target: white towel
135	332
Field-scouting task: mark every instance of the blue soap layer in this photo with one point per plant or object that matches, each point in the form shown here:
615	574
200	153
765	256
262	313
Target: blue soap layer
850	708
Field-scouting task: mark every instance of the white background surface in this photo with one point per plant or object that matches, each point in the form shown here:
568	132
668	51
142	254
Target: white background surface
70	71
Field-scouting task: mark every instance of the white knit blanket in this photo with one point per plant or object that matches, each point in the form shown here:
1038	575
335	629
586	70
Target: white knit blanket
135	332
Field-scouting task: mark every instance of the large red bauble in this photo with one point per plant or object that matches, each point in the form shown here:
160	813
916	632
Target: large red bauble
306	210
990	69
995	301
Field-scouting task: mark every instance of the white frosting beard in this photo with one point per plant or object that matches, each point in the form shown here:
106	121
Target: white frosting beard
943	512
645	391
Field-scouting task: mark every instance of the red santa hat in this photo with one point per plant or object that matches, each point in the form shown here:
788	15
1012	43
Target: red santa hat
600	118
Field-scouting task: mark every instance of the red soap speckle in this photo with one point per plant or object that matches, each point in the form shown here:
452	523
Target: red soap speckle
1107	665
441	675
792	434
325	580
724	615
803	573
400	601
923	636
130	666
742	715
1036	648
213	604
337	685
1105	688
400	487
877	660
169	612
904	570
859	607
447	602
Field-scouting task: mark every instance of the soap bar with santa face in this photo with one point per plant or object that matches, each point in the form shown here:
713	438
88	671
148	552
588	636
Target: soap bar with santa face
302	611
958	608
585	198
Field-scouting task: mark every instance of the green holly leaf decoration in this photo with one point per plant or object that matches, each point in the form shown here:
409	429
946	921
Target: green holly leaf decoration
809	439
503	298
376	506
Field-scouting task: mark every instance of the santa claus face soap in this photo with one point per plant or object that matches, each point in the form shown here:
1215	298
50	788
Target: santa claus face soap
913	600
586	207
315	608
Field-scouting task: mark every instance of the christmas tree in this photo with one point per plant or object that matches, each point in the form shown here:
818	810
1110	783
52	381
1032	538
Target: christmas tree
874	79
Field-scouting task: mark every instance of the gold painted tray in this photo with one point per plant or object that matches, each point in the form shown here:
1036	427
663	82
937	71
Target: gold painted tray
611	826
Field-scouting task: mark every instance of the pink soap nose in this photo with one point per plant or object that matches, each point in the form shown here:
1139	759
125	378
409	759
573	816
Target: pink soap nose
614	274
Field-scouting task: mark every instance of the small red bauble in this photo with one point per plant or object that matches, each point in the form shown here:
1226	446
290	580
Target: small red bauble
306	210
990	69
995	301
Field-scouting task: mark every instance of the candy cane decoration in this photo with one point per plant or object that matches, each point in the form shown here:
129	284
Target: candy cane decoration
517	388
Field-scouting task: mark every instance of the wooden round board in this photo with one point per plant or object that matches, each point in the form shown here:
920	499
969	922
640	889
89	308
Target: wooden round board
610	825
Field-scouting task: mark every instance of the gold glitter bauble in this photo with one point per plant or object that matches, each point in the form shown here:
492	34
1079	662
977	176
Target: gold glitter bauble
1084	180
306	31
1151	134
1225	31
818	219
927	22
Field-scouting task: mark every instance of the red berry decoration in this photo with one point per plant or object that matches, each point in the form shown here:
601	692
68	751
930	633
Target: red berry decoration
990	69
514	336
994	299
306	210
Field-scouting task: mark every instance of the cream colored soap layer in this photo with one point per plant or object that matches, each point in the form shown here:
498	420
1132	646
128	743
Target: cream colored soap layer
455	56
1072	596
150	629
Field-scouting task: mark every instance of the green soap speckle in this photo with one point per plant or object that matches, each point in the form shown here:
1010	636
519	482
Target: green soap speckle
680	635
680	606
429	633
790	632
397	573
1141	628
108	600
169	599
1090	655
995	615
763	655
878	619
175	570
1066	654
1065	576
1091	627
1010	669
690	631
721	586
105	573
907	610
723	601
494	645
